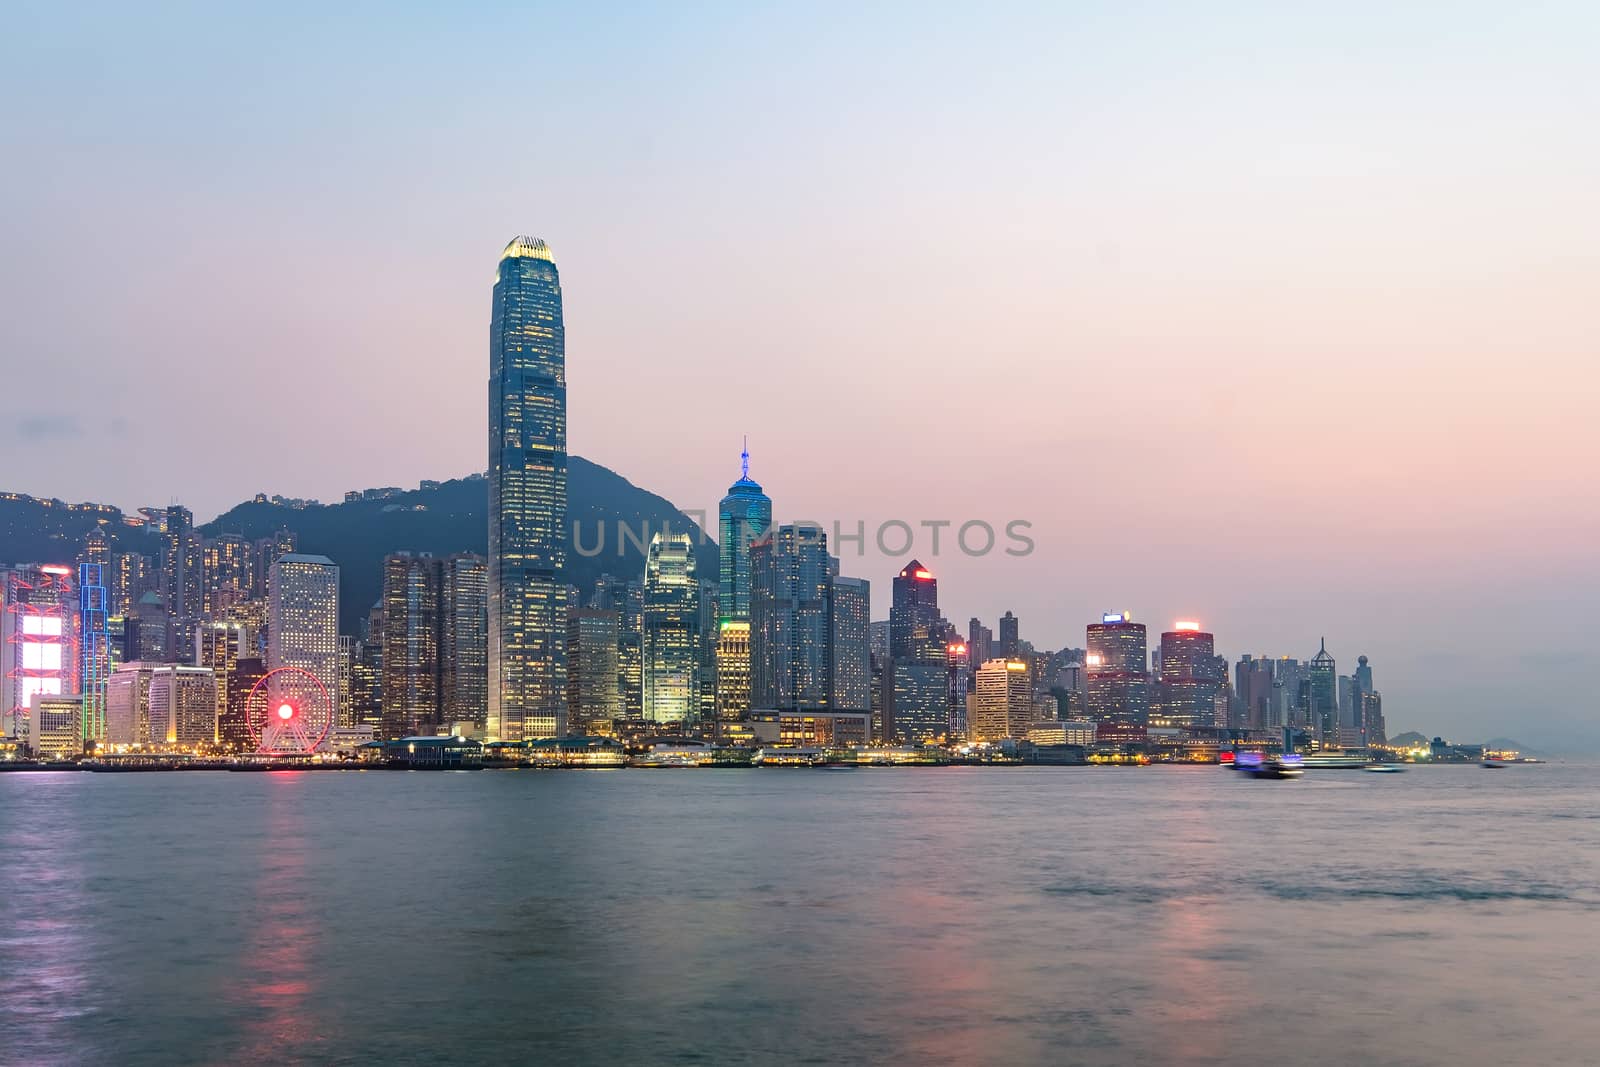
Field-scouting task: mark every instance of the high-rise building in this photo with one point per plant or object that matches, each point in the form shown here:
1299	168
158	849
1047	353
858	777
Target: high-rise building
1323	710
980	641
852	654
527	496
227	572
54	726
38	640
594	695
1004	706
959	681
1191	674
229	651
743	517
1119	682
366	685
183	706
916	707
463	639
1008	635
128	704
791	624
303	620
626	598
94	643
183	580
410	645
706	654
733	670
671	632
914	624
263	553
129	578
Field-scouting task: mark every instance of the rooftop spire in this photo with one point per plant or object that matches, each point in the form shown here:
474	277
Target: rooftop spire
744	458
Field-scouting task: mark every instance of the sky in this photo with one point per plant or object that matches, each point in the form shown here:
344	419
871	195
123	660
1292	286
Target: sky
1279	317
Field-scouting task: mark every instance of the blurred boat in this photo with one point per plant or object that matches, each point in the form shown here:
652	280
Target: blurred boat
1384	768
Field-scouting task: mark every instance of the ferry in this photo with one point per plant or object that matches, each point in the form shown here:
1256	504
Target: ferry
1337	761
1255	765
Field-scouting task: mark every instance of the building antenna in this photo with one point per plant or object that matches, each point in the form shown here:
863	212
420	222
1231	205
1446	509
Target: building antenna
744	458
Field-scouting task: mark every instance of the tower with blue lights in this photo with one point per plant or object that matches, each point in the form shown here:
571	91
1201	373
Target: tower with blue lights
744	515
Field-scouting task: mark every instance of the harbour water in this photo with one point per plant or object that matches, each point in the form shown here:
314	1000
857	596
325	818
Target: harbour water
951	915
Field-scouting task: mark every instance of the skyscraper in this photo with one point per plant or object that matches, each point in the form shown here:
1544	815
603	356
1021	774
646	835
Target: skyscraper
1190	677
791	625
1004	706
1008	635
744	516
1324	706
594	695
733	670
852	656
527	496
228	649
671	631
410	645
1119	681
183	580
914	616
303	619
463	639
916	700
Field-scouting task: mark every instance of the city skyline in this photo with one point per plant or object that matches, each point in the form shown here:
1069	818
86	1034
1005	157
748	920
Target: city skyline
1339	410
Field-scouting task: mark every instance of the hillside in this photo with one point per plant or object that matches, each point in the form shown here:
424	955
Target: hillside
358	534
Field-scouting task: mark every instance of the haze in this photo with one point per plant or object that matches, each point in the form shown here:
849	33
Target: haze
1285	320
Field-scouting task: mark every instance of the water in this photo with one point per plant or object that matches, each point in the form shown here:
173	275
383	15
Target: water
952	915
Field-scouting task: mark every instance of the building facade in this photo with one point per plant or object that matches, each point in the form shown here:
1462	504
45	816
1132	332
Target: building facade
1116	666
303	620
671	631
527	670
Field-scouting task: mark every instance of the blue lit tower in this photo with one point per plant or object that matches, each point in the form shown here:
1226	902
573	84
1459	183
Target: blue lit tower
744	515
94	650
527	496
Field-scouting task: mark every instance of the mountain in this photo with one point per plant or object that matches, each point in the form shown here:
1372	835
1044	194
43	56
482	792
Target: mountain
1407	740
442	518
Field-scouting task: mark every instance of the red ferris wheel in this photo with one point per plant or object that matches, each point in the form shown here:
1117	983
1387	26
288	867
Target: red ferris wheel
288	712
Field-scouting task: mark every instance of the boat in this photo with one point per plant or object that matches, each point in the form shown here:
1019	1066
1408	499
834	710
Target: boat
1255	765
1336	761
1384	768
1492	764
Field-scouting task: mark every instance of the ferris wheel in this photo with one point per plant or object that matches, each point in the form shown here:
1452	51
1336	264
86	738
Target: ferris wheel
288	712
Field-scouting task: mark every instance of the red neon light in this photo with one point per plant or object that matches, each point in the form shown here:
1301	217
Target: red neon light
923	575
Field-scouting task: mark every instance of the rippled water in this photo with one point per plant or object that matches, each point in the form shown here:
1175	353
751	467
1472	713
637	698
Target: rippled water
950	915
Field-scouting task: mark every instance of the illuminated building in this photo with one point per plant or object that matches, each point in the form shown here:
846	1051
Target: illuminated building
182	579
366	684
733	670
183	706
228	649
1372	717
791	625
225	564
129	577
1191	674
464	639
706	653
55	726
671	631
1004	706
980	641
1009	638
852	656
1062	732
94	645
626	598
917	704
527	496
38	640
1119	684
128	704
303	619
594	696
833	729
1323	708
264	552
410	645
743	516
914	630
959	683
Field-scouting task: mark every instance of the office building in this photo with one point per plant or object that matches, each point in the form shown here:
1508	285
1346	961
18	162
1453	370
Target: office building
791	624
1004	705
594	692
303	622
128	704
463	639
852	654
183	706
1009	637
527	496
1323	707
39	609
733	670
1189	678
411	705
743	517
54	727
671	631
1119	684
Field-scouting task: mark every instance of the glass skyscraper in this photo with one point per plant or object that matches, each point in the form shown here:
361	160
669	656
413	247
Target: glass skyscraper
791	620
671	639
744	515
527	496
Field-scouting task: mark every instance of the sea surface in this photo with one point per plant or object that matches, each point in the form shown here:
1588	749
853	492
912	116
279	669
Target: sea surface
915	915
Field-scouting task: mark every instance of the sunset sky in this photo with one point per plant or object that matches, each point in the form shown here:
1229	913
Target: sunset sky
1280	317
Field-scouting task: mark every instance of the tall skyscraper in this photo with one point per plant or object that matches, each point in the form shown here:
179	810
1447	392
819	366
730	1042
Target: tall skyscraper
183	580
1191	674
303	619
228	649
1324	705
1008	635
980	641
527	496
671	637
410	645
914	616
38	634
594	695
916	702
226	569
1004	706
791	625
733	670
463	639
852	654
1119	681
128	577
744	516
